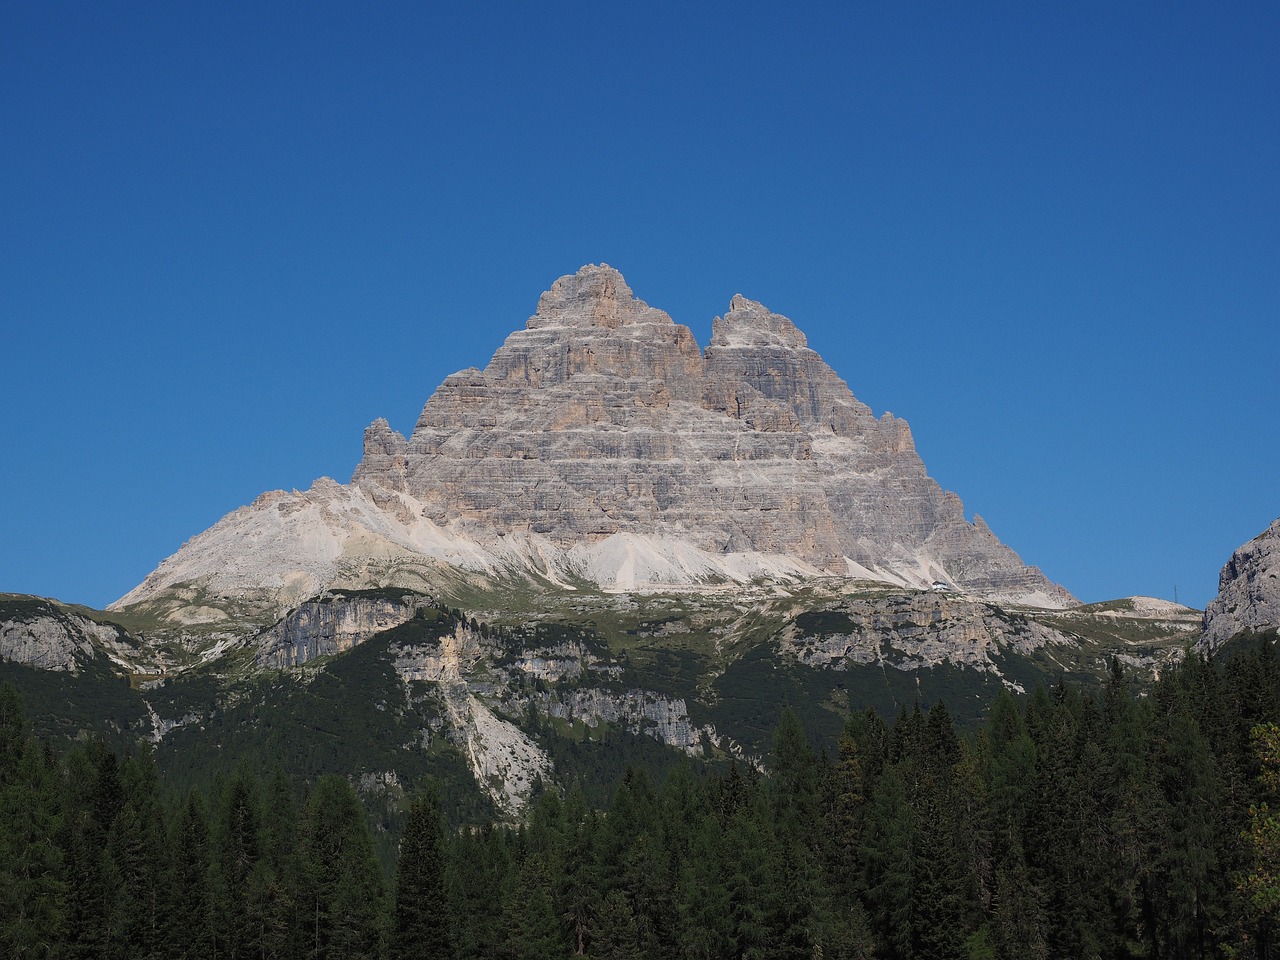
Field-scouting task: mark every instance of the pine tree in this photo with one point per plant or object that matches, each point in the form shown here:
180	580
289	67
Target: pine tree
92	798
237	844
888	852
135	845
421	924
580	879
616	937
341	882
276	878
533	930
1261	883
32	878
190	914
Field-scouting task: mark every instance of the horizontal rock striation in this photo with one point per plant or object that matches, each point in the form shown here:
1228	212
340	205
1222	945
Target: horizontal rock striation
1248	597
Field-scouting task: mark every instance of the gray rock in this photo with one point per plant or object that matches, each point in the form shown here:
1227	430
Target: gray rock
43	634
1248	591
328	626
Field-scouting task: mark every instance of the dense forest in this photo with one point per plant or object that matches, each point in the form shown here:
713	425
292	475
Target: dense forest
1070	824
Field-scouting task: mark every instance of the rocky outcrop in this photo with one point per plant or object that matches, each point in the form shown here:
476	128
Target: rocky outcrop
46	635
1248	597
910	631
638	711
601	444
913	630
505	761
332	624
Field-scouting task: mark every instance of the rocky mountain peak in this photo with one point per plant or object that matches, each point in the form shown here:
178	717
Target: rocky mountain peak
595	296
751	323
600	443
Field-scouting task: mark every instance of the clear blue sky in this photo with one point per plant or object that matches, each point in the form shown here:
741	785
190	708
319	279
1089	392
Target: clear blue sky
1047	235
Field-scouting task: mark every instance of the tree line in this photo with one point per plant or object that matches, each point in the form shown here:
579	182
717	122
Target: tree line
1071	824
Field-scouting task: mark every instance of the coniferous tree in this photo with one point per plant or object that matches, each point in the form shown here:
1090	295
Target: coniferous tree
277	877
481	869
92	799
580	883
616	936
533	930
941	875
887	853
32	884
1260	884
190	919
341	882
421	924
1064	831
135	845
237	844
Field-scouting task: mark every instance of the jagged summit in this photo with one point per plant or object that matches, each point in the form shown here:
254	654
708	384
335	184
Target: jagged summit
596	296
749	322
601	443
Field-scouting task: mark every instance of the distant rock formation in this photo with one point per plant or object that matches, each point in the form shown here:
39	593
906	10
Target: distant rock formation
601	444
1248	591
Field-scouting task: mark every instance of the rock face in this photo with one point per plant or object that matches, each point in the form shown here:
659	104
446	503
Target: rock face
1248	591
601	443
917	630
45	635
322	628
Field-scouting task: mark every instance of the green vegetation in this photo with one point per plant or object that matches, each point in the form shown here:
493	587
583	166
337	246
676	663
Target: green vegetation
96	700
1074	822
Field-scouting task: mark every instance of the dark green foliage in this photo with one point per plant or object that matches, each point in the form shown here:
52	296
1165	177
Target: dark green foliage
421	918
341	886
190	919
1068	825
352	718
61	706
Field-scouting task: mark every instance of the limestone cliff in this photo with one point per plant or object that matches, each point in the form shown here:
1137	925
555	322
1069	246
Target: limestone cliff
1248	591
331	625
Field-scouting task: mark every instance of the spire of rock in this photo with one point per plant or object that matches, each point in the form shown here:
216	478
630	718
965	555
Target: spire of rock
750	323
1248	591
595	296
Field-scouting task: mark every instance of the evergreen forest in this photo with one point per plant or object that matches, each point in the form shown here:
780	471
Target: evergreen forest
1072	823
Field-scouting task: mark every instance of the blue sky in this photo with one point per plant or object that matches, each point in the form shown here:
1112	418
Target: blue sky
1048	236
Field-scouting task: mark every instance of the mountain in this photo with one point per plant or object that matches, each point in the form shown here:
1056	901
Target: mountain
609	548
601	445
1248	599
